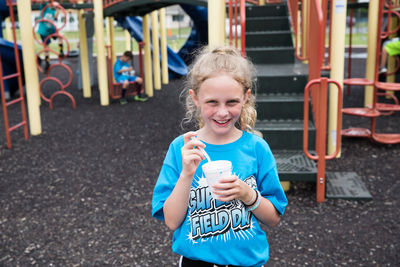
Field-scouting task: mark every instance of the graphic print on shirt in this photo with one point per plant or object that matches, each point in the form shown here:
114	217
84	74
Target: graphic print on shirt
212	219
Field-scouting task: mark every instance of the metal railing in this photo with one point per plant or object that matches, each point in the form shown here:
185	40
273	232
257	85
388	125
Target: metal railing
316	91
237	13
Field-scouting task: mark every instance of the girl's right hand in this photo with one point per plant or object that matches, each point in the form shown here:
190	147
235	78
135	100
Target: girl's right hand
191	156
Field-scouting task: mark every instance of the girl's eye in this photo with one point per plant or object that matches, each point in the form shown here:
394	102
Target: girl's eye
232	102
213	102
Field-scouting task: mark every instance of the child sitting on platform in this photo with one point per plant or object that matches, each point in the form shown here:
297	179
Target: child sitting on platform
124	73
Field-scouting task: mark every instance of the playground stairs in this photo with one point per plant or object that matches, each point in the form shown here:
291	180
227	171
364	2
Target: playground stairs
280	90
281	80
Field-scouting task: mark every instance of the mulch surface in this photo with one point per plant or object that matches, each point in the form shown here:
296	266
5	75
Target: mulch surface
80	193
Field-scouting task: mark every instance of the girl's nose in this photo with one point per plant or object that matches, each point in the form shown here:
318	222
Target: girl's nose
222	111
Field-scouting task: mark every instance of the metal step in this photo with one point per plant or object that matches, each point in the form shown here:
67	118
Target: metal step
267	10
271	55
281	78
267	24
286	134
280	106
268	38
293	165
346	185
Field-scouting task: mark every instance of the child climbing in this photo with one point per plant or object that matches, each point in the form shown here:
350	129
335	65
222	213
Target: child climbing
49	11
224	230
124	73
389	48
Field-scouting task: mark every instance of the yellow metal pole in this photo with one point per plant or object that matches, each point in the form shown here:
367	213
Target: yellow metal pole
304	35
9	36
216	9
101	53
164	55
83	47
298	34
371	49
337	67
148	75
108	31
128	42
30	70
112	40
156	50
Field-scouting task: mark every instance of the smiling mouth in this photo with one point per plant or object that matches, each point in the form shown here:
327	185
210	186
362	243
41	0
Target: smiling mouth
222	122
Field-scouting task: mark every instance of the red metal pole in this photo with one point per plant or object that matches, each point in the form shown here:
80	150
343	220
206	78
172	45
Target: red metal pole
236	23
243	27
321	138
230	23
3	101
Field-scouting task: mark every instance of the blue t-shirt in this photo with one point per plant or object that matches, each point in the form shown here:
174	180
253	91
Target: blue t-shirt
222	232
46	28
119	65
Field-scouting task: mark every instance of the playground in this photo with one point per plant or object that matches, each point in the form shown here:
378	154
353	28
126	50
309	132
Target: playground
79	194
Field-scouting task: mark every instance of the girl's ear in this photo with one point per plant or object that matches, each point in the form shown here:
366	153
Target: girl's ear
194	97
247	95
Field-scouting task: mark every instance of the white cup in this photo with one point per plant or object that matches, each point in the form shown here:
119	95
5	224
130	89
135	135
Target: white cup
215	170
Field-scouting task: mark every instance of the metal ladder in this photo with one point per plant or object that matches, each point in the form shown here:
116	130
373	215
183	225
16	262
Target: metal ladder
17	75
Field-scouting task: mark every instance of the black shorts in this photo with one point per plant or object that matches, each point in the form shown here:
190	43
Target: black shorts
185	262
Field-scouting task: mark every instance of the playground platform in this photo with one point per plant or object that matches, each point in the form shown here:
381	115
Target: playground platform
80	193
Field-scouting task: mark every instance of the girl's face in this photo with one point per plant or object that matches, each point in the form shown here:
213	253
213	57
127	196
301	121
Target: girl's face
220	100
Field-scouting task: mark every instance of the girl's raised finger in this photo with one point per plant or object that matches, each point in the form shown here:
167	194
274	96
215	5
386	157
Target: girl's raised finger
188	136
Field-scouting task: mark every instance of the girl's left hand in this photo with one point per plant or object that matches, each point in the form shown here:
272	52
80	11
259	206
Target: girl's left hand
230	188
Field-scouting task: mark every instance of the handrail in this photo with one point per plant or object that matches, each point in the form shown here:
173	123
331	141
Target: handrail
321	104
316	91
321	112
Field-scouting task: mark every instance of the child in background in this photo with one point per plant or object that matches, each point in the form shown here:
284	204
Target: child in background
389	48
223	231
124	73
49	11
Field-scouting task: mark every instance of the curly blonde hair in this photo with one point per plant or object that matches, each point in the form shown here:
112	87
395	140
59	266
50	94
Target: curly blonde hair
210	63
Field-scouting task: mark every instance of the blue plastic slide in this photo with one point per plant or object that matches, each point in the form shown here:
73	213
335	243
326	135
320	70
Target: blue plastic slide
199	35
134	25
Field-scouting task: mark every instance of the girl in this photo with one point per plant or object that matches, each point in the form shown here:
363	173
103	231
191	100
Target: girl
223	231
